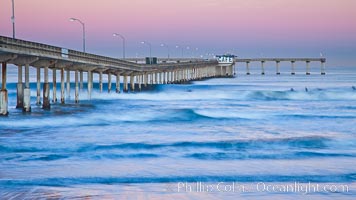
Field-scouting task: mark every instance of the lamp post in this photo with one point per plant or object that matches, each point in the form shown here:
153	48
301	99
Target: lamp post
150	46
13	19
177	46
188	48
123	43
83	25
165	45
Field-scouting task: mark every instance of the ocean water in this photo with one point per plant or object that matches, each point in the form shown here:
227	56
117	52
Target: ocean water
188	141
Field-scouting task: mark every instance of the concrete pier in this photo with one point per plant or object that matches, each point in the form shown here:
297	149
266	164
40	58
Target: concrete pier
126	89
27	90
323	68
54	86
307	68
81	80
21	53
140	80
46	102
118	83
109	82
76	96
3	93
38	97
292	66
132	83
277	67
20	88
145	80
68	83
90	83
62	87
101	81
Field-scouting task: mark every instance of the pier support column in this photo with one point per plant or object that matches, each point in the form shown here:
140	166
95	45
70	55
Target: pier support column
132	83
307	68
118	83
172	77
3	93
146	79
76	96
81	80
46	102
20	88
126	89
90	83
109	82
263	67
293	70
68	83
164	77
277	68
247	68
38	99
323	68
27	91
62	86
54	85
156	78
101	81
151	79
140	80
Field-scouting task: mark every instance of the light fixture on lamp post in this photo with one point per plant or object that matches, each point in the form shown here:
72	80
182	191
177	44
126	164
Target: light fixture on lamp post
165	45
150	46
123	43
83	25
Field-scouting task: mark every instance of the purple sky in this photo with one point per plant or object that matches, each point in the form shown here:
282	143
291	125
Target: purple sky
247	28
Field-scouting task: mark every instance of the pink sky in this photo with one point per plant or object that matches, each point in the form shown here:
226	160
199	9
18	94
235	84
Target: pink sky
248	27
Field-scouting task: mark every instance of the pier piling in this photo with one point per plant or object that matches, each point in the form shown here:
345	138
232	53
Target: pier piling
76	95
54	86
118	83
101	81
126	89
109	82
3	93
81	80
292	66
62	86
307	68
20	88
247	68
27	90
68	83
322	67
277	68
90	83
38	98
46	102
132	83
